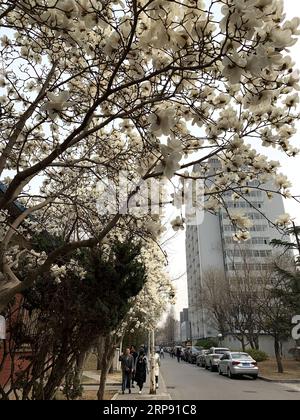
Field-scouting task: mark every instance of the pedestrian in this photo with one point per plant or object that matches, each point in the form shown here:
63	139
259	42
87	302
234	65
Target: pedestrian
178	354
156	367
173	352
134	354
127	366
162	354
141	370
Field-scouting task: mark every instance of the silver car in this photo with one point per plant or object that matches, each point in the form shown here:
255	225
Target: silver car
200	359
213	357
237	364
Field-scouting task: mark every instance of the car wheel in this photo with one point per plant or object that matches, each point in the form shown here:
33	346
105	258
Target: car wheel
220	372
254	377
211	368
206	367
230	375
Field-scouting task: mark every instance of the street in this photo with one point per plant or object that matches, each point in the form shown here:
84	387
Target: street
189	382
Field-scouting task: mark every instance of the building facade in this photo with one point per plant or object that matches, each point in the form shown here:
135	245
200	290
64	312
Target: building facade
185	326
210	245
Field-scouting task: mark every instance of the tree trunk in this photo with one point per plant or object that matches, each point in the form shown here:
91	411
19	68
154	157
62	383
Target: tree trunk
59	370
106	361
243	343
278	355
256	342
80	359
100	351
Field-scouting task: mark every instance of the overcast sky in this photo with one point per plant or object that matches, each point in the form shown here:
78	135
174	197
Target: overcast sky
291	167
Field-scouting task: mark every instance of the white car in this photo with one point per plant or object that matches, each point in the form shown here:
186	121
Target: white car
237	364
213	357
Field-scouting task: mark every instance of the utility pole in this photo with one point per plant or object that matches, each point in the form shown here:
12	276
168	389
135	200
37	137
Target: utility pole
152	363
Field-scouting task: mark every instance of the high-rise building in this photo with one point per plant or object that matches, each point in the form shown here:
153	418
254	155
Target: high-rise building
185	326
210	245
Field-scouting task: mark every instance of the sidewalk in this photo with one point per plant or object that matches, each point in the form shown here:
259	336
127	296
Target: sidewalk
161	393
279	381
113	379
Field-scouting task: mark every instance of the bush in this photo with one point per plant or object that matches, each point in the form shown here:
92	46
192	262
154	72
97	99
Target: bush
258	355
207	343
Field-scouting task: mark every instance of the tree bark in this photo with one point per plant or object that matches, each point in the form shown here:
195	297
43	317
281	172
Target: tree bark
278	355
106	361
100	351
80	359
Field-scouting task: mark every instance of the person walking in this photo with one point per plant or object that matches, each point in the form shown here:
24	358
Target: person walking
173	352
134	354
127	366
156	367
141	370
162	354
178	354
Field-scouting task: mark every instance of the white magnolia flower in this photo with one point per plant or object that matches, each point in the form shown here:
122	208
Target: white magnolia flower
282	38
241	220
234	68
58	272
241	236
56	103
283	220
172	154
282	181
162	122
178	224
292	100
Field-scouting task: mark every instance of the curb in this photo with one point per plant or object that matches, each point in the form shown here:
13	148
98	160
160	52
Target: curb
280	381
165	387
108	384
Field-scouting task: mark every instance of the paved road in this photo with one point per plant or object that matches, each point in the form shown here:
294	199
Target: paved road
189	382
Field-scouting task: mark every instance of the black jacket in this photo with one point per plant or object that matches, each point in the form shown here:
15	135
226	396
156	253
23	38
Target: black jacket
141	369
127	363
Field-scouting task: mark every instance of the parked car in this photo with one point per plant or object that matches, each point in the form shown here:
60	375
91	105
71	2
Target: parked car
238	364
185	353
192	354
200	359
213	357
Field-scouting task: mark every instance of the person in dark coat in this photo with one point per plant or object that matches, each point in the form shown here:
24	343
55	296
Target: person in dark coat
178	354
134	354
127	365
141	370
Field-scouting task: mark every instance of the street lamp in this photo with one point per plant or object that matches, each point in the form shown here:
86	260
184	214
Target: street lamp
220	336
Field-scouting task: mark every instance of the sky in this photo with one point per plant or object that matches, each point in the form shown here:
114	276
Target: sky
291	167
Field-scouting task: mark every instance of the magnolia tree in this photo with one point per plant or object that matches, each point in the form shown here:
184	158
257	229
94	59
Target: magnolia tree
146	308
158	291
89	89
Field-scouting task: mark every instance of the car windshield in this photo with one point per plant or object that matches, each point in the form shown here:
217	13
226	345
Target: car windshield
196	349
237	356
221	351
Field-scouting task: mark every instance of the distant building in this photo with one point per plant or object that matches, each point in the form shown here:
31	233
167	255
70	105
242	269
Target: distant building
185	326
211	245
